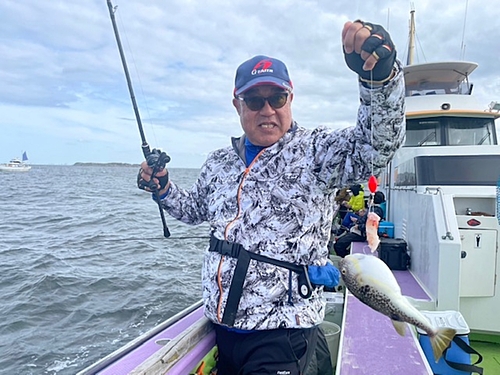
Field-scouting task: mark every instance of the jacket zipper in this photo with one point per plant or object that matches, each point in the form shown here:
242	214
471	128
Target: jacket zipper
219	270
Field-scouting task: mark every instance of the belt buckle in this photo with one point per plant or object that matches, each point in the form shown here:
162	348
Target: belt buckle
229	248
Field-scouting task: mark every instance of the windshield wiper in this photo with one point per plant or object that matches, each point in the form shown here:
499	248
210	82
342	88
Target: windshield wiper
486	136
428	138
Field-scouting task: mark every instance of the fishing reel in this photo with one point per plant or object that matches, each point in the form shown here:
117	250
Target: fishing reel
157	160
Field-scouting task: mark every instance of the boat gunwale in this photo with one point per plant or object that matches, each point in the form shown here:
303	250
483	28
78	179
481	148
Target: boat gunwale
137	342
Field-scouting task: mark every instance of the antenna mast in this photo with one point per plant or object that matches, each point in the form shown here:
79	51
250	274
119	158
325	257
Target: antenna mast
463	32
411	37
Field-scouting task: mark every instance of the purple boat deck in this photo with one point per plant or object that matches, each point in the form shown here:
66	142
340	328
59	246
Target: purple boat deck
138	355
370	344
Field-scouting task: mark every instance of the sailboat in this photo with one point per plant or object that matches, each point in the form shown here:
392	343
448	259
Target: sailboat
16	165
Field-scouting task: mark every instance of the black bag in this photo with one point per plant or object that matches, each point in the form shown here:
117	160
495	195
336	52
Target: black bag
459	350
394	253
464	367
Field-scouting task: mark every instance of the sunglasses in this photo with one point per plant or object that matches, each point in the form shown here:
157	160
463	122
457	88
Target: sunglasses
256	103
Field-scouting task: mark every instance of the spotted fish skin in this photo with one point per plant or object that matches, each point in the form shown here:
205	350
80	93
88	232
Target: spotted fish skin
373	283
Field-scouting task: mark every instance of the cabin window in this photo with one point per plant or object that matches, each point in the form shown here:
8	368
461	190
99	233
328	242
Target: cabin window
423	132
450	131
470	131
457	170
405	174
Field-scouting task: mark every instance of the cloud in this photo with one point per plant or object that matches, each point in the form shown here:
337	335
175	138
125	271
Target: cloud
64	97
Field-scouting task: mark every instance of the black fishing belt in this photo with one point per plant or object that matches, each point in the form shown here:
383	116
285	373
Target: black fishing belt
236	250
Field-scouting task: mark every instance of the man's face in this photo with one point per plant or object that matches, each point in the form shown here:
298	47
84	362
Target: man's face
266	126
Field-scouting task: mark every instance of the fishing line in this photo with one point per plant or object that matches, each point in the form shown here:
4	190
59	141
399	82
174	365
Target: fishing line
144	98
372	182
371	115
157	238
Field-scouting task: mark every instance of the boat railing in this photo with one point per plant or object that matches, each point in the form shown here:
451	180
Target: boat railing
173	358
438	191
113	357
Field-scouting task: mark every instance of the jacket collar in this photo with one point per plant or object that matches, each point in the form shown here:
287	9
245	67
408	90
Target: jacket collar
238	143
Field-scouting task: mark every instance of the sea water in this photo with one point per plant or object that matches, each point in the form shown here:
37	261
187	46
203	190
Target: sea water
84	266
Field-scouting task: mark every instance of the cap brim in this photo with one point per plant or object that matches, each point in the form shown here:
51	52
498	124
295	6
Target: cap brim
264	81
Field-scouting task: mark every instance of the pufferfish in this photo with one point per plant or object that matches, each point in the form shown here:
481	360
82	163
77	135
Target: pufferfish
374	284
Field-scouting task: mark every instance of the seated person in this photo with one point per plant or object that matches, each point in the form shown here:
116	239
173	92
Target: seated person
341	198
357	233
379	198
357	200
351	218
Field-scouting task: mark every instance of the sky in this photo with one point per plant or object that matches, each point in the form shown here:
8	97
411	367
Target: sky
64	96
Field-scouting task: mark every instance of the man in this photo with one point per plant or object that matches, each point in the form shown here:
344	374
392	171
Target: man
269	198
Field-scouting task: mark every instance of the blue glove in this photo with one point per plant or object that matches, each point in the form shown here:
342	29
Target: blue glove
327	275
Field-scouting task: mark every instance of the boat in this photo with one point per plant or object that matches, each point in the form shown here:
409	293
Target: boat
443	198
443	195
16	165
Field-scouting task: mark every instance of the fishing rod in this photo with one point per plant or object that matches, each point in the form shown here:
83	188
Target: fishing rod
156	159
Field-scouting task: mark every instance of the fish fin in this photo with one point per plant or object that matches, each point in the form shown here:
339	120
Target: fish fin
400	327
441	340
421	304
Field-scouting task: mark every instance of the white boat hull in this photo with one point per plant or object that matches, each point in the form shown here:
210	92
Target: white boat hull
7	168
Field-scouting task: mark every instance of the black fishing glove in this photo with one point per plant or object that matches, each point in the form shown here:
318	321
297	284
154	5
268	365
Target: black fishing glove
150	185
380	45
156	160
141	183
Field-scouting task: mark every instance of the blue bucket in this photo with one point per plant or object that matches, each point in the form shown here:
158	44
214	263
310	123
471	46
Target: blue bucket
450	319
386	229
453	354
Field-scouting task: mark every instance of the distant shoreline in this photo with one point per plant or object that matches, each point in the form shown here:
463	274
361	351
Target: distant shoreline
94	164
82	164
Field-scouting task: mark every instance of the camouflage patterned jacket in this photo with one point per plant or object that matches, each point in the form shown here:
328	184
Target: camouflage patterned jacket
280	206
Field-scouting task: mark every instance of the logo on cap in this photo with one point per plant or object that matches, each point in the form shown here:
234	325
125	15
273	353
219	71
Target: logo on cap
261	70
263	66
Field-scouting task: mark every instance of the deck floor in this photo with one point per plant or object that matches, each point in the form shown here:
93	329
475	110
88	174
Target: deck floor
370	344
490	352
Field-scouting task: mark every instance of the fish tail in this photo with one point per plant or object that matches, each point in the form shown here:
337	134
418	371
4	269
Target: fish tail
441	340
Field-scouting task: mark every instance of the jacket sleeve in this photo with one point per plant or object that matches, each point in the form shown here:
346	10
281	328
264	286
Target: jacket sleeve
189	205
346	156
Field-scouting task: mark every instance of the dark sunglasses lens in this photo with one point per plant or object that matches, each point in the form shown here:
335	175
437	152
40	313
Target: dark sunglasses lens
256	103
277	101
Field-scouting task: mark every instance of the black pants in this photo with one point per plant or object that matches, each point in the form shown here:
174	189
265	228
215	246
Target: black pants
321	362
344	241
267	352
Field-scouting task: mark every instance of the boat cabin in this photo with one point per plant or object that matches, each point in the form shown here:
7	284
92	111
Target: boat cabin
441	190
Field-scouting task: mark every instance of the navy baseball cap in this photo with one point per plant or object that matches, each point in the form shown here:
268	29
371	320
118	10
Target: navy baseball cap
261	70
